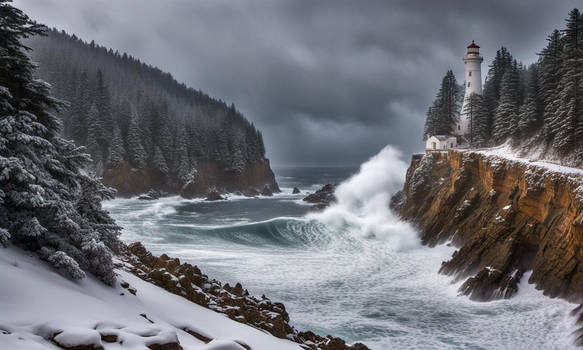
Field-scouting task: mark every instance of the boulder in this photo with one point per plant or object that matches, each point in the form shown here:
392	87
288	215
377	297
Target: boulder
266	191
323	197
214	196
295	190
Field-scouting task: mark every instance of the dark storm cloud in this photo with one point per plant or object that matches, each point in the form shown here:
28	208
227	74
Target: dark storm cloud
327	81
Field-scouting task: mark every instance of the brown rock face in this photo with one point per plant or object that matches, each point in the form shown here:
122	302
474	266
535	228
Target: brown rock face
210	175
506	217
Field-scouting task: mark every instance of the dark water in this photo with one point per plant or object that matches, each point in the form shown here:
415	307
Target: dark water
354	271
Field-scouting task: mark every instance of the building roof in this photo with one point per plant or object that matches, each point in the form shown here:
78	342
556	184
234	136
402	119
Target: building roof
442	137
473	45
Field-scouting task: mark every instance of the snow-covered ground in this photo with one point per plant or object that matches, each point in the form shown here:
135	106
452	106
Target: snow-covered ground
37	303
505	151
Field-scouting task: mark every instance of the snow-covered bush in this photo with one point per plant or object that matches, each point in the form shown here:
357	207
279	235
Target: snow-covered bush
49	203
60	259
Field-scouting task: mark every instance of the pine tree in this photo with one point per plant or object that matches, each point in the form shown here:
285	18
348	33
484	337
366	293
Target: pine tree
117	151
48	204
493	86
444	112
568	117
93	137
549	66
104	110
530	114
136	153
506	116
477	109
159	162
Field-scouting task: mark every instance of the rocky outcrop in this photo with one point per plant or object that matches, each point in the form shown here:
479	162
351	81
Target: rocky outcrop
235	302
214	196
296	190
323	197
209	175
505	217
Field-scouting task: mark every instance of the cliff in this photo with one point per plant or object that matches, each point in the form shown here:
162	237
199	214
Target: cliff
505	215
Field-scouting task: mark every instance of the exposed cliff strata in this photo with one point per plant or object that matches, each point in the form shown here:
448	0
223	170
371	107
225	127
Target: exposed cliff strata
505	216
233	301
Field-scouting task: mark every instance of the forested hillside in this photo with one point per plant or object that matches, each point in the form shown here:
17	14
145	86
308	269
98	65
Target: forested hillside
145	130
538	108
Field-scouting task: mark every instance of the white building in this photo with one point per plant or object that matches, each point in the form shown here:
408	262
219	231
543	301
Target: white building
473	84
440	142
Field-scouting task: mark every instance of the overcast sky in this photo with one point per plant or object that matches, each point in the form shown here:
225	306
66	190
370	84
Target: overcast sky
328	82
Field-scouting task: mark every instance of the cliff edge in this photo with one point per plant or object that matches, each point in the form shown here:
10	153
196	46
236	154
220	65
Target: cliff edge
505	215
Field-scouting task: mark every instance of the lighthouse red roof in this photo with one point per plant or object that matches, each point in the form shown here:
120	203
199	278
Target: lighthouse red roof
473	46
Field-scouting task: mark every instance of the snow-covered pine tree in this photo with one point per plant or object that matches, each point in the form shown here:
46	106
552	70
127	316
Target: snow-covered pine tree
80	107
184	170
93	137
506	116
530	114
163	133
568	125
104	110
550	63
159	162
135	151
48	203
116	150
430	127
477	109
492	87
445	108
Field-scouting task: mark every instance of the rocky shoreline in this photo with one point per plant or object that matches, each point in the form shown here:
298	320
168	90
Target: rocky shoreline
235	302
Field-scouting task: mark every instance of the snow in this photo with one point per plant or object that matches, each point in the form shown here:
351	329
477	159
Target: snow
38	303
506	152
507	207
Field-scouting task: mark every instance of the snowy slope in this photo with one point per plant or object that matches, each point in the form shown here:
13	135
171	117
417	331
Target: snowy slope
36	303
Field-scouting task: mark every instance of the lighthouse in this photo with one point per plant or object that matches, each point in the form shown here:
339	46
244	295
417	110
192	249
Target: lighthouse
473	84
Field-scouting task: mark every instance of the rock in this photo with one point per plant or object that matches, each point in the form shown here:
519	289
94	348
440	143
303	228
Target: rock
323	197
266	191
150	195
251	192
295	190
214	196
166	346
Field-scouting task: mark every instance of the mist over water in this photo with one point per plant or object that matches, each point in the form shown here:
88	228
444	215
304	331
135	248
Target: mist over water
354	270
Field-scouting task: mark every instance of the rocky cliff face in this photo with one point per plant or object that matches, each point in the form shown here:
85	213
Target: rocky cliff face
209	176
505	217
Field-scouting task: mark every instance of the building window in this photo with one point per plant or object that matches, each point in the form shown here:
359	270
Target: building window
468	84
458	127
451	145
470	73
434	145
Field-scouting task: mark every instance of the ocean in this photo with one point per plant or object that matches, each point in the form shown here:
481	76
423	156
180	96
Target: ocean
354	271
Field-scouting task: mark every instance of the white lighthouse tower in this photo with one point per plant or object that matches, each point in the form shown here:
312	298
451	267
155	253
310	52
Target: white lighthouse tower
473	84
